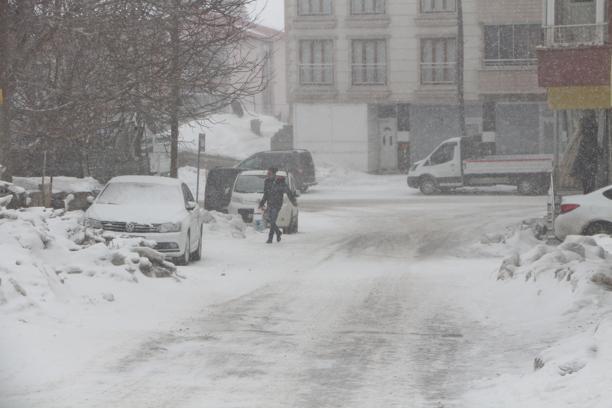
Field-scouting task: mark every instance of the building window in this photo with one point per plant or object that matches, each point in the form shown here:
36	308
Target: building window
369	62
316	62
513	44
438	61
367	6
314	7
438	6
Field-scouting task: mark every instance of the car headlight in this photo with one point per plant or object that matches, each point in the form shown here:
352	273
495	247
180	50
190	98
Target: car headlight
170	227
93	223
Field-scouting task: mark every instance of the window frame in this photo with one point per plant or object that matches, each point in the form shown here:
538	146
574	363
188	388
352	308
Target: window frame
380	68
310	12
324	66
363	12
432	65
530	29
431	10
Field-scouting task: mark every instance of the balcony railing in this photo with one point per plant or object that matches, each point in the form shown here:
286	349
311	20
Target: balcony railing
438	73
577	34
316	74
369	74
510	62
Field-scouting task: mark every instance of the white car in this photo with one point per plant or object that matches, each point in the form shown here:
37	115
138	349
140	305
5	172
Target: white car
160	209
248	191
588	214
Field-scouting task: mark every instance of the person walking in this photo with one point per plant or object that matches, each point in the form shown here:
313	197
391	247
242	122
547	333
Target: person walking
586	163
273	197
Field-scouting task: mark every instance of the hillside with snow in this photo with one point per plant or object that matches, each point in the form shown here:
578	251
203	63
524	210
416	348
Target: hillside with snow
228	135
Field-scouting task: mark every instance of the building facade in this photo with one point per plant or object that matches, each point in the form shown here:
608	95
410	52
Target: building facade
575	67
373	83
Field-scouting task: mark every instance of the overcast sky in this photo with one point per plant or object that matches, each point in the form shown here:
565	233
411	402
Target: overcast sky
271	13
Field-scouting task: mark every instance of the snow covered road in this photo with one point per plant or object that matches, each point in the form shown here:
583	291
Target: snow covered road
380	301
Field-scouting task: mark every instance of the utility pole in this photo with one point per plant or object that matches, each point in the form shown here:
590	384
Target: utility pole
5	138
460	69
175	93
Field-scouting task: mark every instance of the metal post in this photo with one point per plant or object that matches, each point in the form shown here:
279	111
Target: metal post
201	145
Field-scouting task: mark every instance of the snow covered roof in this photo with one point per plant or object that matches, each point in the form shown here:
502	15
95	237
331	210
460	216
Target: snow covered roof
264	32
166	181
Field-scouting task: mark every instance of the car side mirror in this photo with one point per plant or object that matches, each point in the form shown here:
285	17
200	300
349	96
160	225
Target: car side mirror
90	199
191	205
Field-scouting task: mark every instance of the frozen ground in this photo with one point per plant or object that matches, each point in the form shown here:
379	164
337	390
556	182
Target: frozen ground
386	298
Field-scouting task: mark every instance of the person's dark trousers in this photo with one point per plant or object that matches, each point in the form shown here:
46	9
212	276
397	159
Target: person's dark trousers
272	217
588	184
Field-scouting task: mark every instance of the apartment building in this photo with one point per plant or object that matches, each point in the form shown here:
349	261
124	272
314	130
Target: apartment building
575	67
373	83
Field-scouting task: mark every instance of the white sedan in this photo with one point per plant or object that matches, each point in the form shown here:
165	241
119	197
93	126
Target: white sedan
248	191
588	214
160	209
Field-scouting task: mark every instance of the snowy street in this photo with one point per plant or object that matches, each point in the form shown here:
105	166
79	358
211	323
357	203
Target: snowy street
382	300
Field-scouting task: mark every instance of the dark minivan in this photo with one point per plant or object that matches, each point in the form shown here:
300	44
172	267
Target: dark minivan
297	162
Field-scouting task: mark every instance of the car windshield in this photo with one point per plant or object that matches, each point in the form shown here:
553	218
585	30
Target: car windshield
140	194
250	184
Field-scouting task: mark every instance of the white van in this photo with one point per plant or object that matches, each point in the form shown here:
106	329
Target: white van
248	191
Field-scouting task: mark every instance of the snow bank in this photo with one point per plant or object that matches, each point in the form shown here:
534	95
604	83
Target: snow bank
42	251
230	136
576	260
575	279
60	184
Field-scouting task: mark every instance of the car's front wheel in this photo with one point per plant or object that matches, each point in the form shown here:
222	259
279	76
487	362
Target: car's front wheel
197	254
428	186
184	259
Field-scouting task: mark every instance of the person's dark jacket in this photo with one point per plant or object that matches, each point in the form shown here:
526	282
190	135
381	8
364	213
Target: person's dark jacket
274	195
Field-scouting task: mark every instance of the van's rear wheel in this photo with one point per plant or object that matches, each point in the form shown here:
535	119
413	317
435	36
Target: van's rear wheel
428	186
527	186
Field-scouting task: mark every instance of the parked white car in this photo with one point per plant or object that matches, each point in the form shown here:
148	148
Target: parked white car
588	214
156	208
248	191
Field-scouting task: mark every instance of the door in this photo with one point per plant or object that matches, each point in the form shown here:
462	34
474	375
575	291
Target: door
287	212
388	143
445	165
219	183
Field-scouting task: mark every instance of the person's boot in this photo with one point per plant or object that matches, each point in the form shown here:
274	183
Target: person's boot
279	233
270	236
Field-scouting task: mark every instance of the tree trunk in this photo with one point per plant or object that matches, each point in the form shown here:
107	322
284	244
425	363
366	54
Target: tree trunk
175	97
460	69
5	138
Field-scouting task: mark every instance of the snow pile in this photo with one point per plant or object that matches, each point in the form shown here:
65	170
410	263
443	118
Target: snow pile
216	223
577	259
60	184
228	135
43	251
574	282
513	239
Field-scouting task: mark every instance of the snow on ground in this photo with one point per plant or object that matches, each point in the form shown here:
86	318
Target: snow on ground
573	282
228	135
61	184
386	297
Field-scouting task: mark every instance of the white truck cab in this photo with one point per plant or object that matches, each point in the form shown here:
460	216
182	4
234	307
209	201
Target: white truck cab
460	162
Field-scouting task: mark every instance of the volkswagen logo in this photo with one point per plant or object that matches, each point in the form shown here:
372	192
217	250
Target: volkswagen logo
129	227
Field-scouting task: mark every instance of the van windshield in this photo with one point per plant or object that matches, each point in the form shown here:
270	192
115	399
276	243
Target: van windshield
250	184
